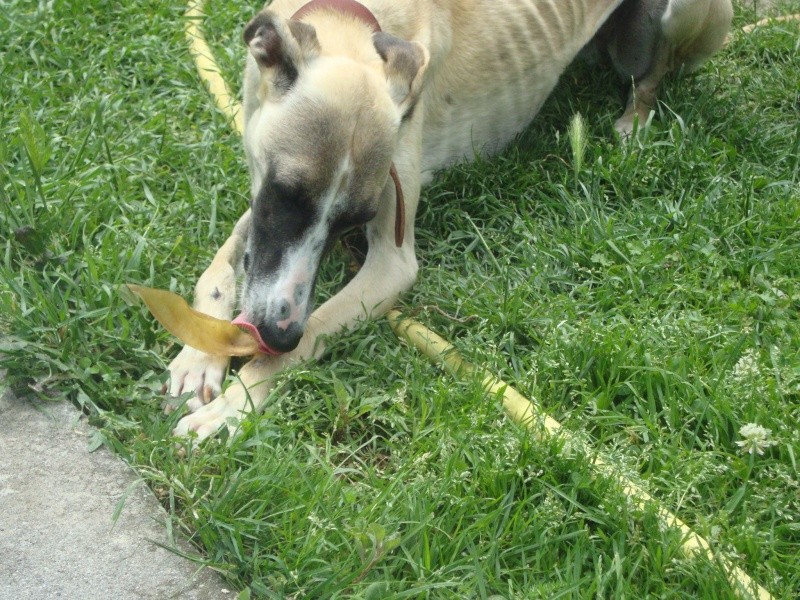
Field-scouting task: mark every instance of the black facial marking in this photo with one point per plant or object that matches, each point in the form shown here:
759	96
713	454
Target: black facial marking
216	295
282	212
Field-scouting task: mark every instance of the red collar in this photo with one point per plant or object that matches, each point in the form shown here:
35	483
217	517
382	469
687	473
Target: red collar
349	7
361	12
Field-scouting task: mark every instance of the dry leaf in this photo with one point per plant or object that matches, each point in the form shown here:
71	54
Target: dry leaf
198	330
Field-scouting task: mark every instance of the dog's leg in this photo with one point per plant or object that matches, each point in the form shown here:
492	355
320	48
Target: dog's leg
642	97
215	295
648	38
246	394
695	29
387	272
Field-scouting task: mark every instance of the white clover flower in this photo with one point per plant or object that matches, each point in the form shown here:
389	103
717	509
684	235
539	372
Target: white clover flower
746	368
755	439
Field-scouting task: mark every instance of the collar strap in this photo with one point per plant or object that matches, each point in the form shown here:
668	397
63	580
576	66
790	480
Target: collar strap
361	12
399	209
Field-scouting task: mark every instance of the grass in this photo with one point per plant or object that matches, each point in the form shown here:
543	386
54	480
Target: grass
647	298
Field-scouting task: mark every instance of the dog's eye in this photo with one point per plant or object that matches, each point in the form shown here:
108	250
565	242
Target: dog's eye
246	261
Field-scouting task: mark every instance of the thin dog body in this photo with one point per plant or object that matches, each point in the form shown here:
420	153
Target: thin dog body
350	108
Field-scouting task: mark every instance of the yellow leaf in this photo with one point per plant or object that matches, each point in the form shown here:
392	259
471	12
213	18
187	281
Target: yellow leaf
198	330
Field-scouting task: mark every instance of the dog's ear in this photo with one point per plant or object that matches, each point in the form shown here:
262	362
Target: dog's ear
404	65
280	47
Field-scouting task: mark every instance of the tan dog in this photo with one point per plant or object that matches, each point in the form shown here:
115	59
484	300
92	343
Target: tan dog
339	95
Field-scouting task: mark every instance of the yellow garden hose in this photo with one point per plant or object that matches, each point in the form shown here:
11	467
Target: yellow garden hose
524	411
207	66
770	21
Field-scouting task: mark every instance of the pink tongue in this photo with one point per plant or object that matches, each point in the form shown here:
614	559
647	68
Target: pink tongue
241	321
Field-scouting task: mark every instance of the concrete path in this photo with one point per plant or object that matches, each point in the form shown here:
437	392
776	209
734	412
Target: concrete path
56	506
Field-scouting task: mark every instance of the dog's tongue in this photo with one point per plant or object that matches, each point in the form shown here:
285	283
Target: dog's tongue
241	321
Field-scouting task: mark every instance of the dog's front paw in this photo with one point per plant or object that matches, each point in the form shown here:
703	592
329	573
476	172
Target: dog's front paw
636	118
210	418
196	372
239	399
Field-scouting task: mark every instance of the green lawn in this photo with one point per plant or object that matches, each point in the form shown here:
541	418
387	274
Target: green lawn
649	300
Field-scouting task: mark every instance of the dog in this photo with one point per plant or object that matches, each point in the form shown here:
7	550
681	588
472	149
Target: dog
349	108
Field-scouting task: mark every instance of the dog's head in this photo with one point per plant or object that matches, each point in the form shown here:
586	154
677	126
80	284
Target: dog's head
319	138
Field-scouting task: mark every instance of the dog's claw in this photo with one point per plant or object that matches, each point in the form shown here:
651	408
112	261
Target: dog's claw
209	393
197	372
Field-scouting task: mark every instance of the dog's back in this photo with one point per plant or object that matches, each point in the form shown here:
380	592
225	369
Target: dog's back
493	64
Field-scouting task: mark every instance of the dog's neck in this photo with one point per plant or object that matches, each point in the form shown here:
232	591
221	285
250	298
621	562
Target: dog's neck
362	13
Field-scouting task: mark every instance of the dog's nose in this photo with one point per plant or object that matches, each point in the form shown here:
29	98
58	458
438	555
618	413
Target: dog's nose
279	338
